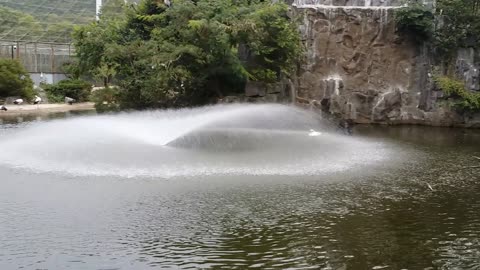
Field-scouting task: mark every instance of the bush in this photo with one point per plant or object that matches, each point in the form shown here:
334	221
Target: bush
15	80
465	100
415	20
76	89
106	100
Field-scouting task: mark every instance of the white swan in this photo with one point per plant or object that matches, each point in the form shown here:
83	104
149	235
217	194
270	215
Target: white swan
18	101
37	100
70	101
314	133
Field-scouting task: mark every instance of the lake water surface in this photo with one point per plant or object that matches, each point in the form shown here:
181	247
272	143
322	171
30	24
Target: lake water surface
418	211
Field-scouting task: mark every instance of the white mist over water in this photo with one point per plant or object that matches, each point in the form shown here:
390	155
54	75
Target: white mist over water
267	139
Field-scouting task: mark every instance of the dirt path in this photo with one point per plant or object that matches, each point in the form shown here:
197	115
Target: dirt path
15	110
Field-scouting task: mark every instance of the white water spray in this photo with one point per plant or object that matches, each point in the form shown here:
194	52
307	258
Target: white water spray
226	139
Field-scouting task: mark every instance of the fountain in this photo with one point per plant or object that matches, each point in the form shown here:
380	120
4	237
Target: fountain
237	139
287	186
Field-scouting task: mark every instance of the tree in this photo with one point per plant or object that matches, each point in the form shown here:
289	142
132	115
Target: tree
106	72
416	21
16	24
27	20
112	8
188	53
459	26
273	40
94	44
15	80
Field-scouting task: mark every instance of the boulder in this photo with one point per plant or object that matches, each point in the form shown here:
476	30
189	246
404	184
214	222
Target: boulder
386	104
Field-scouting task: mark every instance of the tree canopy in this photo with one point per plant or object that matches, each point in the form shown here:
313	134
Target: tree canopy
190	52
15	80
458	25
453	24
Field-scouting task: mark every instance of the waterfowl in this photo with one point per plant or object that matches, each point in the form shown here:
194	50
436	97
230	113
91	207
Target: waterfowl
37	100
314	133
70	101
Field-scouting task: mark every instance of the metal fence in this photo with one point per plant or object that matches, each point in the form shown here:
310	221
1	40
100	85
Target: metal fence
38	57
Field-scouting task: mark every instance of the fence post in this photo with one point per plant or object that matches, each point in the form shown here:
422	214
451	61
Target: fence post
52	59
18	51
26	60
35	52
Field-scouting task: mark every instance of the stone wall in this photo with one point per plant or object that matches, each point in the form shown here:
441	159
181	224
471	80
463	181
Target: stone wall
467	66
357	67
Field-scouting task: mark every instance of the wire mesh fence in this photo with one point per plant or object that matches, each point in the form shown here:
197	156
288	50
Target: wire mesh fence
43	20
49	20
38	57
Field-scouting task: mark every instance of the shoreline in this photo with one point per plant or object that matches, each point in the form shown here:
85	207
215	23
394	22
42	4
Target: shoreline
29	109
45	109
442	122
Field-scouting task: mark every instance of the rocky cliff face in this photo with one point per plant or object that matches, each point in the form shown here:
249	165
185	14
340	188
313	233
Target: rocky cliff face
358	68
468	67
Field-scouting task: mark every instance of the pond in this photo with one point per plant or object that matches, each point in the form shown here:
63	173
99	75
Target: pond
74	194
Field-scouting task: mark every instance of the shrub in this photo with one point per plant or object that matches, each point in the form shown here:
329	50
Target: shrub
106	100
76	89
465	100
416	20
15	80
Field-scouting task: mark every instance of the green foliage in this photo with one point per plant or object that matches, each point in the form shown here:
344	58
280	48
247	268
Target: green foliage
458	26
465	100
55	7
415	20
72	69
112	8
106	99
96	44
15	80
76	89
273	40
105	72
16	24
449	86
191	52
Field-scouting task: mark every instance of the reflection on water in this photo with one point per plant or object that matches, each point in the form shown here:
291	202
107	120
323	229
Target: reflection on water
383	219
